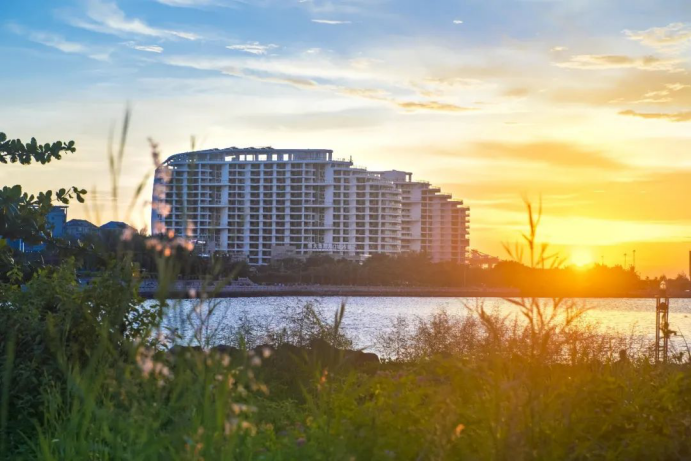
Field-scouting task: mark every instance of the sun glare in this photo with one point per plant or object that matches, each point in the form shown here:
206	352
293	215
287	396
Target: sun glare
581	257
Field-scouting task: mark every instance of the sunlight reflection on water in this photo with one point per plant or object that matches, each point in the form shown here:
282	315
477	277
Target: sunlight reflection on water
367	316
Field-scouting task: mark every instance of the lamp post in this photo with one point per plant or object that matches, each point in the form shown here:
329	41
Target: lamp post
662	331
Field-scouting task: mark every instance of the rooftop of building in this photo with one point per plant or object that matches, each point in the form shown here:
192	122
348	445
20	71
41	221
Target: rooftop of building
80	222
254	154
115	225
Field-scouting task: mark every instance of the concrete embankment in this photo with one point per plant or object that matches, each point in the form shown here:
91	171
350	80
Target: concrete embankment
192	289
337	291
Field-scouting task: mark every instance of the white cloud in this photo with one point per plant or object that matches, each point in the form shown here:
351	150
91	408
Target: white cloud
458	21
149	48
603	61
673	37
253	48
456	82
363	63
106	17
316	74
190	3
557	49
676	86
330	21
60	43
670	117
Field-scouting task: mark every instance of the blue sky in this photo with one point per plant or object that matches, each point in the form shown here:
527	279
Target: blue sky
585	102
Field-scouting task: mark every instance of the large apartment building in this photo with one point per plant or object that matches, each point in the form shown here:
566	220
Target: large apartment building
259	204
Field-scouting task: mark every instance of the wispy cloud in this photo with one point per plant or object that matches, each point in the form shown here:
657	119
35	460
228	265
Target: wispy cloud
60	43
671	117
516	92
57	42
316	74
431	106
458	21
330	21
673	37
557	49
661	96
458	82
269	77
192	3
148	48
253	48
676	86
410	106
605	61
106	17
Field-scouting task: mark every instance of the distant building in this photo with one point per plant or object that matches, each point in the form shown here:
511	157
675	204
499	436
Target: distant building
56	219
115	226
79	228
281	252
431	222
267	203
55	223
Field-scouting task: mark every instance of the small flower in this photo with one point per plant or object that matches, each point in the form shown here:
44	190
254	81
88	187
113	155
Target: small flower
159	227
457	431
127	234
230	426
300	442
266	352
323	380
249	427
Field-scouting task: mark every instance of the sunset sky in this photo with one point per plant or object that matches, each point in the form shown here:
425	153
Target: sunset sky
586	102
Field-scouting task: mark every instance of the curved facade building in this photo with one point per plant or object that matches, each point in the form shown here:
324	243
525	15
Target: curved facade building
263	204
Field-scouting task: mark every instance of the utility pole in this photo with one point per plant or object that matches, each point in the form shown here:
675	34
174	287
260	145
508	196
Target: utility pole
625	265
634	260
662	330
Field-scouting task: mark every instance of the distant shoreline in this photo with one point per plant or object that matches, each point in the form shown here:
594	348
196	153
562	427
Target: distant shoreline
191	290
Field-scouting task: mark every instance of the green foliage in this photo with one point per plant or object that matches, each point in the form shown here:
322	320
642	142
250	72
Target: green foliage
153	406
53	326
506	409
23	215
15	151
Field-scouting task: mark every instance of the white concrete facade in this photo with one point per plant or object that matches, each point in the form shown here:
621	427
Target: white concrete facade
246	202
432	222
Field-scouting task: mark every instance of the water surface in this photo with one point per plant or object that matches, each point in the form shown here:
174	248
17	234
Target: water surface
367	316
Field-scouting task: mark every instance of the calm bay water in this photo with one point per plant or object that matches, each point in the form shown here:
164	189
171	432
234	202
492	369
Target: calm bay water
367	316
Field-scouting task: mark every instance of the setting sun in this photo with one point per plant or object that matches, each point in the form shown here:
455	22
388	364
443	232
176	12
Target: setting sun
581	257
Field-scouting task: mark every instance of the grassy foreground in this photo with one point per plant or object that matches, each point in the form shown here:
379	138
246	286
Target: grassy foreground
441	409
78	385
